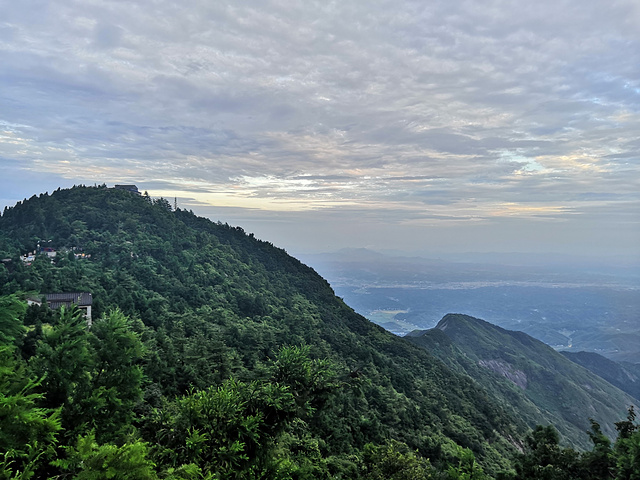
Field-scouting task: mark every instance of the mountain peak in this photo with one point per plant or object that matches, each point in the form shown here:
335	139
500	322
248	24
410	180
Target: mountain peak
551	388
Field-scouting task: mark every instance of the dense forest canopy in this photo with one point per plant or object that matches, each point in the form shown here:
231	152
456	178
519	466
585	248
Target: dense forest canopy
216	355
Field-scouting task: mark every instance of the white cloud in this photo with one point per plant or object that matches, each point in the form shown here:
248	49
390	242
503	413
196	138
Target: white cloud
380	106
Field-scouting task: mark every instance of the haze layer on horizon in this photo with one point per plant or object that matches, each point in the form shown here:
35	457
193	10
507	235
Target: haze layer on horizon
418	126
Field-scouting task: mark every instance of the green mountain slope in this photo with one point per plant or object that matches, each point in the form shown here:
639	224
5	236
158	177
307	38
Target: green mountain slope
526	376
625	376
216	303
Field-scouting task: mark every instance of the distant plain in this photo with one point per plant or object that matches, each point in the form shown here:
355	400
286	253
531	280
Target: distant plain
571	306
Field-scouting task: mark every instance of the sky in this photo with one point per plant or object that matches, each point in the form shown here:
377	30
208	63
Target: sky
439	126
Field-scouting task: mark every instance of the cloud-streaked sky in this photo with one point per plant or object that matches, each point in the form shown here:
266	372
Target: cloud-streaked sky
433	126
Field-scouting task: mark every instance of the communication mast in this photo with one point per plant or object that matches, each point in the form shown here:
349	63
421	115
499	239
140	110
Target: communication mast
175	203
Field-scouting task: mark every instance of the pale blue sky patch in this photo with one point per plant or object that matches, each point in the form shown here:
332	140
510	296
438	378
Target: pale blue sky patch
526	164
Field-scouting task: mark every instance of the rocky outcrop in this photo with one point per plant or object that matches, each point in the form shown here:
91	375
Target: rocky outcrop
503	368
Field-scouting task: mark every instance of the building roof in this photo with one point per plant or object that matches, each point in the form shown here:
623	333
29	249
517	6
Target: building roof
56	300
129	188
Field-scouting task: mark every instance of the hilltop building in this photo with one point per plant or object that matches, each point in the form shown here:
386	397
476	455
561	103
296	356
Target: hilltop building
129	188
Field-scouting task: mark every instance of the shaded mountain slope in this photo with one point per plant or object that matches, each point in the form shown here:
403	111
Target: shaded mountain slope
217	303
625	376
526	376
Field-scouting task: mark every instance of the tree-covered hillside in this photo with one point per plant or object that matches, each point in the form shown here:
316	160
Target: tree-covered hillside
225	357
527	377
625	376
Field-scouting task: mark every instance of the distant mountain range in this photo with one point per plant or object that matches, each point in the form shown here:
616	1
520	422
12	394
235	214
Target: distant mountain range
527	377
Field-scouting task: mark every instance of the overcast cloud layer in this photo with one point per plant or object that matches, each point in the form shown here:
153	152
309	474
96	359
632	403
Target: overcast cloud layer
435	126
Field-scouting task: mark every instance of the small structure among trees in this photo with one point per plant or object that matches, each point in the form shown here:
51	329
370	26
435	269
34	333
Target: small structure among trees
56	300
129	188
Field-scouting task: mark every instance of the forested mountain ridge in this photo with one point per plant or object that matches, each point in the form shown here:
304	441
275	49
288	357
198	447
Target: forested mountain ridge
527	376
213	310
625	376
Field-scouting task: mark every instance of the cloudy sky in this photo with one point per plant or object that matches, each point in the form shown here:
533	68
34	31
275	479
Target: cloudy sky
497	125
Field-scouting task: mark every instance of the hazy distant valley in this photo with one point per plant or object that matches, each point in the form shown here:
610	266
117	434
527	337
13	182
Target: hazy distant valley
570	307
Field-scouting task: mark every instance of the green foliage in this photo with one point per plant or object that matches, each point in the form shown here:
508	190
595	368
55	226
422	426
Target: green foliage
11	328
394	461
94	375
190	471
599	462
628	458
544	459
65	359
230	429
23	466
626	428
298	455
627	448
27	431
463	466
88	460
116	379
310	381
234	429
